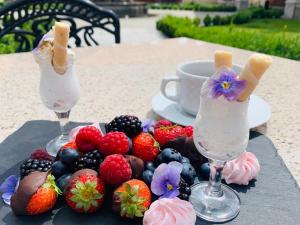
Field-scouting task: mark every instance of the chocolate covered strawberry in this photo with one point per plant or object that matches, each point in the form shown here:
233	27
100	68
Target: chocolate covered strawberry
132	199
145	147
84	191
36	194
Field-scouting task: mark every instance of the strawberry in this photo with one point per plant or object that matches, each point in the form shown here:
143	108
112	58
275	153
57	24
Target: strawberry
71	144
114	143
162	123
41	154
44	199
132	199
168	133
115	169
88	139
189	131
145	147
84	191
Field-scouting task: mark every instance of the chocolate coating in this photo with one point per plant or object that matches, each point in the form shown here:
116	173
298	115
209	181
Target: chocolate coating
27	188
136	164
188	149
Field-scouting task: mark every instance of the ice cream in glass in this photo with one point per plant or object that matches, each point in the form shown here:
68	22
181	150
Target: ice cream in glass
221	131
59	86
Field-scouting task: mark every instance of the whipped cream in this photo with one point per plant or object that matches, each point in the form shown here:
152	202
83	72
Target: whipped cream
170	211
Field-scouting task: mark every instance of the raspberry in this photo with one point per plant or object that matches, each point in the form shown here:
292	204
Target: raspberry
40	154
115	170
114	143
162	123
188	131
88	139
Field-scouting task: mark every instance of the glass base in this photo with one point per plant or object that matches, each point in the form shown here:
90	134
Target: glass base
215	209
54	145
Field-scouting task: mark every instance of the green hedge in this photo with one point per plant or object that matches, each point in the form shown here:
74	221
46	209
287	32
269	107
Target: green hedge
245	16
194	6
280	44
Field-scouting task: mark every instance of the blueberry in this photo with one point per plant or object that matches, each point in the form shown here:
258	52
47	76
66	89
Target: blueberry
169	154
205	170
147	176
158	160
59	169
185	160
149	166
188	173
62	181
69	156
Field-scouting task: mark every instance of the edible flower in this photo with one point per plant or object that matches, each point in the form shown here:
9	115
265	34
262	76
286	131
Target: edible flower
9	187
227	85
166	179
148	125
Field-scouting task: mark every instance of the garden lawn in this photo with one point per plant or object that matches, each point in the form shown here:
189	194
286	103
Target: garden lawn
283	44
274	25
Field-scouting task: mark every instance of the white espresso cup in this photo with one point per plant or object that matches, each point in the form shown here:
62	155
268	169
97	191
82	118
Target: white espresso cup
189	78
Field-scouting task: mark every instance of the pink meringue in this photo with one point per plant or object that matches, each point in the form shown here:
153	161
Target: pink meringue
242	169
170	211
75	130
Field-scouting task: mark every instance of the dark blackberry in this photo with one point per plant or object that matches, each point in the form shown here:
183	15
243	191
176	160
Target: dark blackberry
184	189
90	160
31	165
130	125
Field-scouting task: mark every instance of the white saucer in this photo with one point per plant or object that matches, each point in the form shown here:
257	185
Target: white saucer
259	111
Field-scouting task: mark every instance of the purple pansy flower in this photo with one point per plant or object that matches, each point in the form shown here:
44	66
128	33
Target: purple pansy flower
166	179
227	85
148	125
9	187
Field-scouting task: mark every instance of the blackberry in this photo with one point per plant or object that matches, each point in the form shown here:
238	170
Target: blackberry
90	160
130	125
31	165
184	189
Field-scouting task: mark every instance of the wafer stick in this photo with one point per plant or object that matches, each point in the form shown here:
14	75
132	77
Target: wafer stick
223	59
60	47
252	73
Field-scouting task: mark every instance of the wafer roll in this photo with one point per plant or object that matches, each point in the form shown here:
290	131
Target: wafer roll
223	59
253	71
60	47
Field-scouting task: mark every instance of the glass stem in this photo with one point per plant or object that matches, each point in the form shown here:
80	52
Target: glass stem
214	186
63	122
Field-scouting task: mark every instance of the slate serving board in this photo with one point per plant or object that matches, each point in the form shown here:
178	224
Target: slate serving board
273	199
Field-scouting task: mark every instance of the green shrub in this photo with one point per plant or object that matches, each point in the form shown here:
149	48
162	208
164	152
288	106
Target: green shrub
194	6
282	44
207	21
216	20
243	16
196	21
225	20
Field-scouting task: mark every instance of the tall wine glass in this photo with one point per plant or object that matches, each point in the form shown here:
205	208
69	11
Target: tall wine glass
59	93
221	134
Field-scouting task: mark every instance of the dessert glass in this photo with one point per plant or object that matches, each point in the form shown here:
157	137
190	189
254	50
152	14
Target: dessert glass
221	134
59	93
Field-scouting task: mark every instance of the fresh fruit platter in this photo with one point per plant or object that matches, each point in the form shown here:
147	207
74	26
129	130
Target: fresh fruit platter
136	170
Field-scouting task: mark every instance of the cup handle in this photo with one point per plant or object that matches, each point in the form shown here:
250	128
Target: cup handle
163	85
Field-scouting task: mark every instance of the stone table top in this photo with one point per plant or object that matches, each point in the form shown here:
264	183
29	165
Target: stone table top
122	79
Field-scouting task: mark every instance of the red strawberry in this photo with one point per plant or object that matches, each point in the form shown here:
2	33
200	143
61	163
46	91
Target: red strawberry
165	134
162	123
88	139
84	191
115	170
132	199
71	144
145	147
114	143
189	131
41	154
